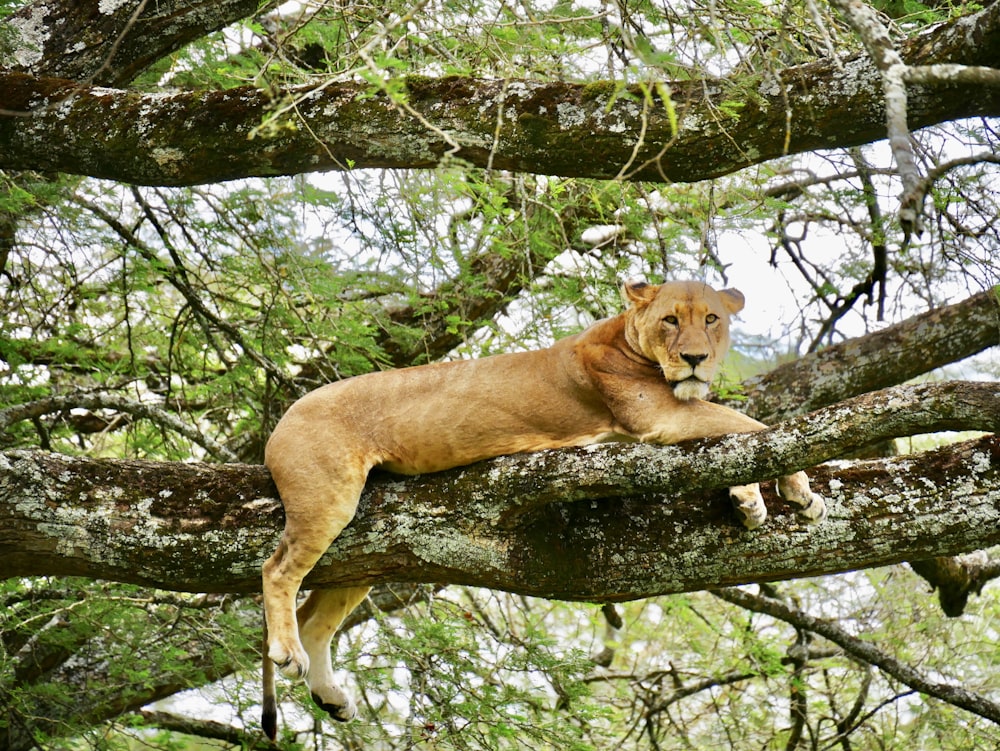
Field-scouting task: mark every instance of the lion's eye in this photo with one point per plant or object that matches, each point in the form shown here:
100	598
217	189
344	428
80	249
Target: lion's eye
711	318
670	320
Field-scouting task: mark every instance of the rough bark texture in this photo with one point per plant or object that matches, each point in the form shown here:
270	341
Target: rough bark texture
111	43
878	360
594	130
609	522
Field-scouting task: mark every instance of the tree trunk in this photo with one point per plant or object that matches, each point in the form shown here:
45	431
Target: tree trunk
607	522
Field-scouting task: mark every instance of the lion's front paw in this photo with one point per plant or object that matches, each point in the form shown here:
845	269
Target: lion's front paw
815	510
335	702
795	490
749	505
292	661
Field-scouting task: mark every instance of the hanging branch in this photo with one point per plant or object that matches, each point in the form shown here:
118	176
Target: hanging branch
875	37
865	651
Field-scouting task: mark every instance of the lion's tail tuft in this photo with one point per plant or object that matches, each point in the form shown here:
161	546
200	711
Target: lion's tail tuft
269	715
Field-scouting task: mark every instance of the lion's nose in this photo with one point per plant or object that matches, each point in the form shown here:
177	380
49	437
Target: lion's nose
694	360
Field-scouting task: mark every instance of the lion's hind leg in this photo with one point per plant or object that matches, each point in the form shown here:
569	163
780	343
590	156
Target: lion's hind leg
281	583
319	617
318	506
795	489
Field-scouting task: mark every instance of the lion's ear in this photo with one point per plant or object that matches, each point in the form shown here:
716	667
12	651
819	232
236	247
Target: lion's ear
639	293
733	300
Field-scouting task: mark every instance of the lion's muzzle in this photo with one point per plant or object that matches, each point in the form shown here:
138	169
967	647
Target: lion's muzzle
690	388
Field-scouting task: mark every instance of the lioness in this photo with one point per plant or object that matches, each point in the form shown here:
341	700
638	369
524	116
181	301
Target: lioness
639	376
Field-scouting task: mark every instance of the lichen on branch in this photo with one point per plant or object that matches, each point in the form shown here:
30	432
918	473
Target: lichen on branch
600	523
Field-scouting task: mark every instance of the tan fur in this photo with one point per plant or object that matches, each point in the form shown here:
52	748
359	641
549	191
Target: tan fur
637	376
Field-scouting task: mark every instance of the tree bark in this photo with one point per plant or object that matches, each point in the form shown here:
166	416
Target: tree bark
877	360
956	578
602	523
595	130
87	41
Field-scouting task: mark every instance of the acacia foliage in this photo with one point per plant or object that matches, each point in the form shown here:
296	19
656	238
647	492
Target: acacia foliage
166	324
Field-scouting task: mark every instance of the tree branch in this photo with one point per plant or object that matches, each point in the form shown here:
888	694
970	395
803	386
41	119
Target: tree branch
956	578
877	360
875	36
96	400
608	522
866	652
111	46
575	130
210	729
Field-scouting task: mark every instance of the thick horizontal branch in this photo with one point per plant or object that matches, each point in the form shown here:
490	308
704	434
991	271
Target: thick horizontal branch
895	354
609	522
112	43
595	130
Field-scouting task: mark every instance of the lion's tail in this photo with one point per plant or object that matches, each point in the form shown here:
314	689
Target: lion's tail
269	715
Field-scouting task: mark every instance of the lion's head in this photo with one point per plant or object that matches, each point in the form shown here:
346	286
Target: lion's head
683	327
